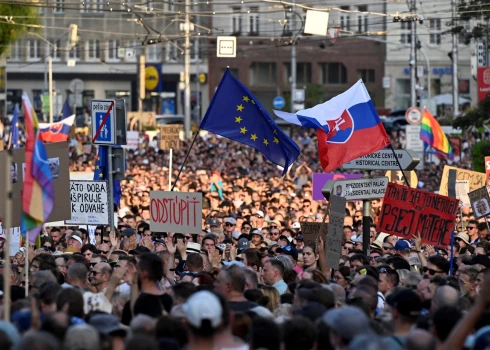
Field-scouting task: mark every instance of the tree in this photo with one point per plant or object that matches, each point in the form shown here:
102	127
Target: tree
474	117
13	21
478	153
473	9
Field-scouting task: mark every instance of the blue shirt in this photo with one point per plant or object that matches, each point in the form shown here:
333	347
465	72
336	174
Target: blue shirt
281	286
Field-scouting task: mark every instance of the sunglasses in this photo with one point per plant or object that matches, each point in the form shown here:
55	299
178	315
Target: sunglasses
228	224
470	228
431	271
275	226
103	251
106	241
187	237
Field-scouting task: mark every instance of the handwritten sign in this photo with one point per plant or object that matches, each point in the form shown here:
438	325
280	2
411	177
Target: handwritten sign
480	202
476	179
462	190
333	243
312	230
407	212
178	212
88	203
169	136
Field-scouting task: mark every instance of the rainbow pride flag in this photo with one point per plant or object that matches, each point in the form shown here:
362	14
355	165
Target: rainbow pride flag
432	134
38	191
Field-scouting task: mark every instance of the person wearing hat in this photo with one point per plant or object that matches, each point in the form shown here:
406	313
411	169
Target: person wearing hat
75	241
230	225
463	239
402	248
257	237
214	224
258	219
405	309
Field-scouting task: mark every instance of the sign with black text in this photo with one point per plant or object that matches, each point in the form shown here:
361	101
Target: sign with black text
333	243
480	202
312	230
88	203
407	212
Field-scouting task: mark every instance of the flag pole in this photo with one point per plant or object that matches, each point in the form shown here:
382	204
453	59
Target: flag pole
26	265
185	159
399	165
7	223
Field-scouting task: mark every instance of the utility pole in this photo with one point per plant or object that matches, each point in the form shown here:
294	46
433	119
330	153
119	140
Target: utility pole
454	64
293	59
187	67
140	69
413	58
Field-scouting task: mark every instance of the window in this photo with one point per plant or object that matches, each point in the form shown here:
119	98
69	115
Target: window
195	52
33	50
93	50
303	73
14	52
435	31
98	6
112	48
344	18
55	53
75	52
367	75
85	6
236	21
91	6
406	36
173	53
60	6
263	74
334	73
153	53
362	23
253	18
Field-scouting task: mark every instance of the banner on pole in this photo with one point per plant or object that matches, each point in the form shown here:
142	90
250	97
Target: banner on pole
179	212
333	242
170	136
88	203
476	179
480	202
407	212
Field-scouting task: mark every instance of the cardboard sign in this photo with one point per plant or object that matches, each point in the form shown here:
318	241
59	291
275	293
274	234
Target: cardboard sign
320	179
61	183
312	230
169	136
480	202
476	179
487	171
462	190
179	212
132	138
333	243
407	212
89	203
396	176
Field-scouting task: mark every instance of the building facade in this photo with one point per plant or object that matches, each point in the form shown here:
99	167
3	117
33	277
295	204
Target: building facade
434	65
105	58
325	66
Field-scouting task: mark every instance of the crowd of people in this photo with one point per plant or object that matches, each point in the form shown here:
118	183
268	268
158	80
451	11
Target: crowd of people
248	280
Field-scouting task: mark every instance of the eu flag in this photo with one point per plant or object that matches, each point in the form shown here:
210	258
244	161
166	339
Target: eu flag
102	173
236	114
14	132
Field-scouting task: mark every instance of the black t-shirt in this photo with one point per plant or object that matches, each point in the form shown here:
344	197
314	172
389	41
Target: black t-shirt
242	306
147	304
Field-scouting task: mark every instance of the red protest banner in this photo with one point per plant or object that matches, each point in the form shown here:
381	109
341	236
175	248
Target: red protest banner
407	212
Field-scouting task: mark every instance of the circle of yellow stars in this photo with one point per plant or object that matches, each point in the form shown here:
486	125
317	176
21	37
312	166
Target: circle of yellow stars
243	130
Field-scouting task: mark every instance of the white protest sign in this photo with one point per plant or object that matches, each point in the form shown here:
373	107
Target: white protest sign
88	203
333	243
179	212
462	189
132	138
14	238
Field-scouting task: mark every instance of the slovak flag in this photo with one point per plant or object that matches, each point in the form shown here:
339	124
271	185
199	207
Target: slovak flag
56	132
347	127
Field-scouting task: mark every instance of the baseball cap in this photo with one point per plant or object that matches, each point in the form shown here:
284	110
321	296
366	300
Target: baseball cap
193	247
139	250
259	213
257	232
236	234
480	340
243	243
402	245
300	238
214	222
127	232
76	238
107	324
479	260
406	302
230	221
275	222
203	306
288	250
296	225
463	236
234	262
348	322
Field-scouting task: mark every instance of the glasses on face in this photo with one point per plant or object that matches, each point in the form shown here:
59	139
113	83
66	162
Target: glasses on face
306	205
229	224
106	241
103	251
275	233
187	237
373	257
431	271
246	228
273	226
470	227
387	248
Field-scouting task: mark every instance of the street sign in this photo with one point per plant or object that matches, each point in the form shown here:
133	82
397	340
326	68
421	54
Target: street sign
357	189
226	46
384	160
77	86
413	115
429	149
103	122
414	143
279	102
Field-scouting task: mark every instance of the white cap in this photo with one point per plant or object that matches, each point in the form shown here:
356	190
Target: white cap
77	238
193	247
259	213
296	225
201	306
236	234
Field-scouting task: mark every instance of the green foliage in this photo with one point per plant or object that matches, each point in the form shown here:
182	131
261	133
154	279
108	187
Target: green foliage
315	94
13	29
474	117
479	151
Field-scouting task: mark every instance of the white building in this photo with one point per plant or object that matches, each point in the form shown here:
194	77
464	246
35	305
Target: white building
432	58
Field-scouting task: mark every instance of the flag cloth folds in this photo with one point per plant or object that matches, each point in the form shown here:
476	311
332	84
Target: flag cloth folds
38	191
102	173
66	110
347	126
236	114
14	133
56	132
432	134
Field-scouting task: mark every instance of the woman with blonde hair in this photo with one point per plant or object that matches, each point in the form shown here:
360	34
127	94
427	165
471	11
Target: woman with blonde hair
274	297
